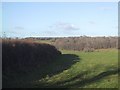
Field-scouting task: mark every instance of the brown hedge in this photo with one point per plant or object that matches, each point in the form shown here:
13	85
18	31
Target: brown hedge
17	54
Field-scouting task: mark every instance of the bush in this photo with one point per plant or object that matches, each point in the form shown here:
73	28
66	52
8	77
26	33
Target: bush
17	55
88	49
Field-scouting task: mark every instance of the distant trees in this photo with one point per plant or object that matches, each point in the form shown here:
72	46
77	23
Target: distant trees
86	43
82	43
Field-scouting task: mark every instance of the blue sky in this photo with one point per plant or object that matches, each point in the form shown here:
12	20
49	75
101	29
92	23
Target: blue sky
58	19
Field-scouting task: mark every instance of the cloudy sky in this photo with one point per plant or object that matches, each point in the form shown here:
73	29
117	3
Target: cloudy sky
58	19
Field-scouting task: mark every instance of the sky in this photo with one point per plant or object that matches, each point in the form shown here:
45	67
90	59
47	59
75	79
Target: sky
59	19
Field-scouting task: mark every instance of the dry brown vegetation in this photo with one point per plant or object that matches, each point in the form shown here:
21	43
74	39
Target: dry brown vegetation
19	54
86	43
28	60
83	43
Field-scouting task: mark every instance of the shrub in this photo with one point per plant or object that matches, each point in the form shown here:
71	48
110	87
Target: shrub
17	54
88	49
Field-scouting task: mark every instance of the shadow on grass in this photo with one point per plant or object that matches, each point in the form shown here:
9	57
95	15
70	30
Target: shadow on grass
96	78
62	63
24	79
86	81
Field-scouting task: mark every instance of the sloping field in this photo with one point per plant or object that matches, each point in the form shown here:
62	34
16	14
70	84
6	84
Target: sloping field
97	69
49	68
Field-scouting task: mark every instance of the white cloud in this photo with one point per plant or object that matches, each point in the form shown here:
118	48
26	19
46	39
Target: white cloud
19	28
91	22
105	8
65	26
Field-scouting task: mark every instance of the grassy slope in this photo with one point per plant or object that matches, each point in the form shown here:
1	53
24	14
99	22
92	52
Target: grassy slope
90	70
74	69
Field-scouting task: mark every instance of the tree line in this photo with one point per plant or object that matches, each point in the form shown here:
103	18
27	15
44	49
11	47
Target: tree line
83	43
86	43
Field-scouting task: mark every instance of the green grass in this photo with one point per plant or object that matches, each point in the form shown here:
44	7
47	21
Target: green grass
90	70
106	82
96	69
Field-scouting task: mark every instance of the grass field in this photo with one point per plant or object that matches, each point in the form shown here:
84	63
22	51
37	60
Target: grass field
98	69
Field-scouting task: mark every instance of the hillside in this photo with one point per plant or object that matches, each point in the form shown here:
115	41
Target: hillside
21	56
90	70
29	64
